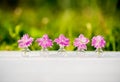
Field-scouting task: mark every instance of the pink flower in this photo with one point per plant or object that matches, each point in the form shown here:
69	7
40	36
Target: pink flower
81	42
25	41
98	41
44	41
62	40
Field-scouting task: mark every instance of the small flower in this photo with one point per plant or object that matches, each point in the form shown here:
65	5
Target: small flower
25	41
81	42
98	42
44	41
62	40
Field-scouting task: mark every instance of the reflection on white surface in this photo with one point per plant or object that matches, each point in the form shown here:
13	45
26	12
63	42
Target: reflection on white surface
52	68
53	54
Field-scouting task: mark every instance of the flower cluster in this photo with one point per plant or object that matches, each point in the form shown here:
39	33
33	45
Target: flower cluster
25	41
44	42
80	42
98	41
62	40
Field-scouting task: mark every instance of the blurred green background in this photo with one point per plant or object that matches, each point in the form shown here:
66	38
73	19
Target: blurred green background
54	17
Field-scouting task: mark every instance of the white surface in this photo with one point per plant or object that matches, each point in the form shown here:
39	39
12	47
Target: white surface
58	68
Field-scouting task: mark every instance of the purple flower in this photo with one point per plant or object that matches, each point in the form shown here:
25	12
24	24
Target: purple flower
25	41
62	40
44	41
81	42
98	42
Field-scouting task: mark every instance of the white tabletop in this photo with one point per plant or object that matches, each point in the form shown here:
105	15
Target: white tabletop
53	67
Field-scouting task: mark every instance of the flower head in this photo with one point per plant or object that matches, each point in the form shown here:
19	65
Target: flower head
62	40
25	41
44	41
98	41
81	42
